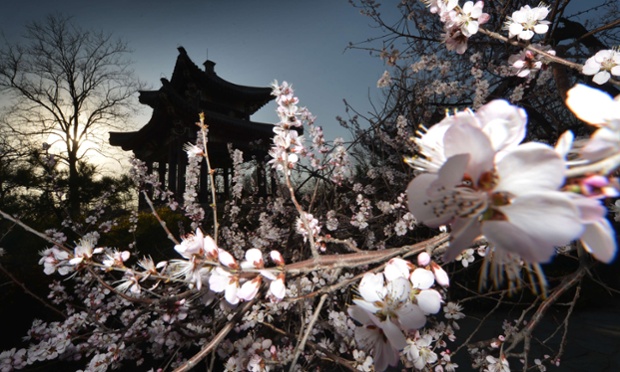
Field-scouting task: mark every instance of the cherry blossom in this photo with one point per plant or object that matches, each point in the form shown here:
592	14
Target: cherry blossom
116	258
603	65
385	80
197	245
420	351
527	21
287	143
277	258
390	301
441	6
249	289
84	250
470	17
54	259
526	63
497	364
455	40
453	310
514	202
466	257
384	337
599	109
277	287
222	280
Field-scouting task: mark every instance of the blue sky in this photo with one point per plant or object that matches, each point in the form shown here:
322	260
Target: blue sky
252	42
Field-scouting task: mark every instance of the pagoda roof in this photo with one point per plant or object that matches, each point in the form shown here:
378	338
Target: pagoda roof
187	74
176	107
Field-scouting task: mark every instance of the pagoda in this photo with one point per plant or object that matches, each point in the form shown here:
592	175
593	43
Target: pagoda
227	108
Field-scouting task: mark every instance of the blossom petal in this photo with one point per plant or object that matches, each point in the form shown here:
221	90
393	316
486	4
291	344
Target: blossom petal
371	287
601	77
411	317
565	143
359	314
530	167
503	123
602	143
422	278
227	259
599	239
429	301
536	223
464	232
426	188
249	289
396	268
277	287
465	138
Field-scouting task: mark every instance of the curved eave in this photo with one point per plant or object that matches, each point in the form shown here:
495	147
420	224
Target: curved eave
186	71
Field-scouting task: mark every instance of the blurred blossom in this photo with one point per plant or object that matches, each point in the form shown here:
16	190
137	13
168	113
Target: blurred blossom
599	109
514	201
385	80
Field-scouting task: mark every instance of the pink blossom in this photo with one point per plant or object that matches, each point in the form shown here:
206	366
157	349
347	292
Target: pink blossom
513	202
424	259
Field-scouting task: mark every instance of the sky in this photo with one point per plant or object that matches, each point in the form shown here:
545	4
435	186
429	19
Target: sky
252	42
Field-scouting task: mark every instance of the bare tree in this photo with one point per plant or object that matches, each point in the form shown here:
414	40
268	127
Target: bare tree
66	85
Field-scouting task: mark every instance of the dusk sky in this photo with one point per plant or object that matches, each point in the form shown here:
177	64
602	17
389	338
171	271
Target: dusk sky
252	43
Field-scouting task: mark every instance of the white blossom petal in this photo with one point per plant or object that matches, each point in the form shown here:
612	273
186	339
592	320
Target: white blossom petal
429	301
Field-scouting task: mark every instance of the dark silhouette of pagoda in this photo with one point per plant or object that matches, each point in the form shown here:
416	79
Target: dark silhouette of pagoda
176	106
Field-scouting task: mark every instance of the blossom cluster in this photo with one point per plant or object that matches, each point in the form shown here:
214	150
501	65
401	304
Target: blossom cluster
288	144
395	304
460	23
203	263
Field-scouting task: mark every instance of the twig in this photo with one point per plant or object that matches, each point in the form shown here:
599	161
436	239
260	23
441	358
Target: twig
567	283
547	55
480	323
302	343
565	323
300	210
330	356
350	260
33	231
203	130
30	293
193	361
161	222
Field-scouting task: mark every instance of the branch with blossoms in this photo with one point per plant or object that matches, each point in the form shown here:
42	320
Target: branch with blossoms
360	277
